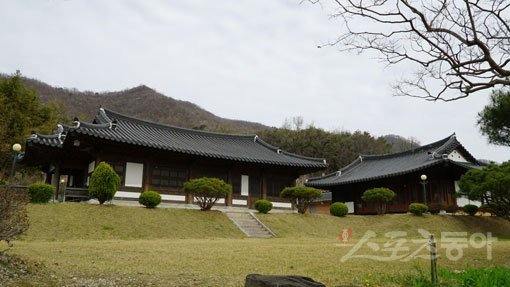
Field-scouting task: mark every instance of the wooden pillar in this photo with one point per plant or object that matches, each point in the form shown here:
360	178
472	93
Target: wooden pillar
147	172
228	199
48	178
264	185
189	197
56	180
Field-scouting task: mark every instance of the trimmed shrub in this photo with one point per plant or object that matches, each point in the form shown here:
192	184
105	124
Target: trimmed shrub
417	208
207	191
103	183
379	196
435	208
149	199
470	209
263	206
338	209
40	192
301	196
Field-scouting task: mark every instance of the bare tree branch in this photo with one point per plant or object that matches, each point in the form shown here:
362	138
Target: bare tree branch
459	47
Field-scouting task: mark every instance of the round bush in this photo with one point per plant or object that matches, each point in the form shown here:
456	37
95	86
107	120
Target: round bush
418	208
40	192
149	199
103	183
263	206
338	209
470	209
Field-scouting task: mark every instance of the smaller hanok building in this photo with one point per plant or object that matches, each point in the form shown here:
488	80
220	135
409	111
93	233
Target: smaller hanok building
152	156
427	174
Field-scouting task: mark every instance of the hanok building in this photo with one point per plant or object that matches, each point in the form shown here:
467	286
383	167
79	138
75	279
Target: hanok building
151	156
442	163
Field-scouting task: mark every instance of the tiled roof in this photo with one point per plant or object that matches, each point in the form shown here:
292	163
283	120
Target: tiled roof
116	127
372	167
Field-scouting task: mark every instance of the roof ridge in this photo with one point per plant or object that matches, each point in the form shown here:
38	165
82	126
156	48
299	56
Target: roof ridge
278	150
442	142
166	126
320	159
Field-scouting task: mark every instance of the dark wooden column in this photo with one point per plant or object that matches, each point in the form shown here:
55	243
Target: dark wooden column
48	178
147	171
264	185
228	198
56	180
189	197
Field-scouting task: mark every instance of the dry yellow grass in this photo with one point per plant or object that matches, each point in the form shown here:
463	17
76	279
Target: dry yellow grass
183	248
69	221
225	262
326	226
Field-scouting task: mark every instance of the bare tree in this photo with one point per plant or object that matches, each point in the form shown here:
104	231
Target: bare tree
462	45
13	214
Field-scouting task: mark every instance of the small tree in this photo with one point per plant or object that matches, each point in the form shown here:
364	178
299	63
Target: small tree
494	121
379	196
103	183
21	113
301	196
491	186
13	214
207	191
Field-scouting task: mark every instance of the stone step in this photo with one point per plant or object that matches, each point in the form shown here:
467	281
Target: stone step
250	225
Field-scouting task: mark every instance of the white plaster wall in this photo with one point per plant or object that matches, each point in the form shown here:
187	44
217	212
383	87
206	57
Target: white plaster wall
173	197
350	206
127	194
134	174
239	202
456	156
282	204
92	166
245	183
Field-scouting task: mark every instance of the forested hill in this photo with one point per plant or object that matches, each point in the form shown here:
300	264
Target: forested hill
141	102
339	148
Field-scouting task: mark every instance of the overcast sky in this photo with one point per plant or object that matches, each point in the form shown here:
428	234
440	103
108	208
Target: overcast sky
254	60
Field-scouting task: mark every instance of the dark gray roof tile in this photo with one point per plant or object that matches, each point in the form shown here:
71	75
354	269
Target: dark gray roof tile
117	127
372	167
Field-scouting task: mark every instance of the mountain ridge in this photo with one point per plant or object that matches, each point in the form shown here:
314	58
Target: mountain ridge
142	102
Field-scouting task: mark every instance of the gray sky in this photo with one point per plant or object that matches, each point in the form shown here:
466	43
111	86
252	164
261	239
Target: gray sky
254	60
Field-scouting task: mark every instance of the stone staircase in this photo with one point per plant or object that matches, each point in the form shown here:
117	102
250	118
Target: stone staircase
250	224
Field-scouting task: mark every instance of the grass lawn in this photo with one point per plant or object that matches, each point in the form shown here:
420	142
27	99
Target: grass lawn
80	244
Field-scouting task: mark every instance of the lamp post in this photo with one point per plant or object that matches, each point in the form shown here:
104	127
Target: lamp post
16	148
424	182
